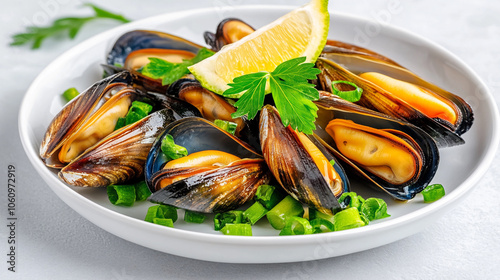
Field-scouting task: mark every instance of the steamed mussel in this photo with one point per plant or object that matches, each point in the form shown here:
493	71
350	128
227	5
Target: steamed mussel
219	174
83	142
394	90
300	164
397	157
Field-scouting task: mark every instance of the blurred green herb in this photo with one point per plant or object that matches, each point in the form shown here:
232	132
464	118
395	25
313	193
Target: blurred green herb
36	35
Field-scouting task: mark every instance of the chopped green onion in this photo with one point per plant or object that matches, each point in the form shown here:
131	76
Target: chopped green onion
137	111
161	211
142	191
268	196
332	162
350	95
315	214
296	226
354	200
163	222
229	127
347	219
433	192
70	93
374	209
141	108
288	207
320	225
172	150
229	217
123	195
121	122
255	212
237	229
194	217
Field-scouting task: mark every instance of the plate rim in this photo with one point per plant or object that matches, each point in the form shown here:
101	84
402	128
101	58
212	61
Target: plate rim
458	193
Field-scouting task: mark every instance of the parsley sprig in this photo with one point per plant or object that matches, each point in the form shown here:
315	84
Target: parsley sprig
36	35
290	89
169	72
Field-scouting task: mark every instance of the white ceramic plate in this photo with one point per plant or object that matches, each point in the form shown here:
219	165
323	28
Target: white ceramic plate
79	67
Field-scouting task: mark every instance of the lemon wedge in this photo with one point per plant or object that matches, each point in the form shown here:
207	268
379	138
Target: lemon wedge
302	32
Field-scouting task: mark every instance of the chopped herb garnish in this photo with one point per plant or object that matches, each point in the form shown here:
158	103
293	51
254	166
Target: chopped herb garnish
123	195
290	89
229	217
36	35
229	127
142	191
268	196
70	93
374	209
169	72
237	229
297	226
137	111
351	199
162	212
433	192
194	217
347	219
163	222
172	150
350	95
255	212
287	207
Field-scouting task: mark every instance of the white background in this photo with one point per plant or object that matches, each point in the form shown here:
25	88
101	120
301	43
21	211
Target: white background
54	242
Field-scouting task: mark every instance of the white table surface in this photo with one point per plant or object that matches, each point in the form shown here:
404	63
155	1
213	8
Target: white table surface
54	242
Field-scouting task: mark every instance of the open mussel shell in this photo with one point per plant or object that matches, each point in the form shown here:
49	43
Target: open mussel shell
119	157
333	108
77	112
228	31
357	63
209	191
147	39
378	99
296	168
346	49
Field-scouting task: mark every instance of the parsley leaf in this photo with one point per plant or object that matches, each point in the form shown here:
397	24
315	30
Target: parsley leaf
169	72
290	89
71	25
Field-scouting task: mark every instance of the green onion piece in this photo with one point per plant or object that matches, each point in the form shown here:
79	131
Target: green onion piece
121	122
123	195
194	217
351	95
288	207
237	229
315	214
296	226
141	108
142	191
163	222
229	217
374	209
255	212
433	192
229	127
161	211
172	150
70	93
268	196
355	200
132	117
320	225
332	162
347	219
